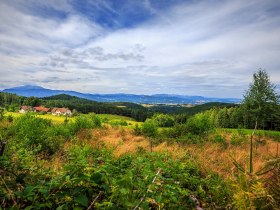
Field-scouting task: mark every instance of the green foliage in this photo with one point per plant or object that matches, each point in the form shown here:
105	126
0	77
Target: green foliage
163	120
74	113
251	194
114	183
137	130
149	128
118	123
261	100
10	118
32	101
13	107
200	124
2	110
29	131
96	120
85	122
218	139
177	131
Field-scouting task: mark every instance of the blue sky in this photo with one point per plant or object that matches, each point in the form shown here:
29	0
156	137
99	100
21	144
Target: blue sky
194	47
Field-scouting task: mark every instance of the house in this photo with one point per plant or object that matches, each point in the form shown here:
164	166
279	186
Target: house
25	109
41	109
61	111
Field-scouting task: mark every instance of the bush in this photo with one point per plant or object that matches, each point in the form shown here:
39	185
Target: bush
97	123
200	124
163	120
178	130
30	131
85	122
218	139
149	128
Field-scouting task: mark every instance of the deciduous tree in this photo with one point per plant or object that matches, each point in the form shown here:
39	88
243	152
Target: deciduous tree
261	99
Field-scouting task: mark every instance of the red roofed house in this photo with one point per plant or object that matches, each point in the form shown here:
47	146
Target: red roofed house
41	109
61	111
25	109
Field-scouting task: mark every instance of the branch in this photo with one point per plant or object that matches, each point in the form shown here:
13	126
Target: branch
251	147
144	196
94	200
196	201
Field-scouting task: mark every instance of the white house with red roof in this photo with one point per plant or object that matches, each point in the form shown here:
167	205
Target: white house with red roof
25	109
41	109
61	111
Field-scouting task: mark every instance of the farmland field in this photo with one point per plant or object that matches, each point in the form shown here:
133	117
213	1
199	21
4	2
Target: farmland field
53	118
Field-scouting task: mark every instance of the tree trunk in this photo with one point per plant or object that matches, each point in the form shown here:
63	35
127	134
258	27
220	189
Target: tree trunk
251	148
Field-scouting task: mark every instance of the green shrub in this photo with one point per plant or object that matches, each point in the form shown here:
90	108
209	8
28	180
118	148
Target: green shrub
85	122
177	131
218	139
163	120
149	128
200	124
96	120
29	131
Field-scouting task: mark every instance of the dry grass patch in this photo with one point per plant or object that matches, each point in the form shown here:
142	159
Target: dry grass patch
214	157
211	156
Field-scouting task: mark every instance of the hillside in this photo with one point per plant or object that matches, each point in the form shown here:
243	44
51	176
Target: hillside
37	91
178	109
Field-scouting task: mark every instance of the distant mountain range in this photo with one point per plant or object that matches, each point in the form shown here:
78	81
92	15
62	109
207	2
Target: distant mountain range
37	91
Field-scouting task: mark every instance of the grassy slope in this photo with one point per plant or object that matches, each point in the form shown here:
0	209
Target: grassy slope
55	119
60	119
114	117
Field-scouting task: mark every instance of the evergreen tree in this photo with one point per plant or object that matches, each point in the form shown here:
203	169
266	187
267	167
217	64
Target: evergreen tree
261	99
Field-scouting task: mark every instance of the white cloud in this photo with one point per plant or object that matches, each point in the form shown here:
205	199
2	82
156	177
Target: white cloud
206	47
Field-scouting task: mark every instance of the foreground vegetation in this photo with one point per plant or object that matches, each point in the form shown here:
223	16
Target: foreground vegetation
209	160
89	163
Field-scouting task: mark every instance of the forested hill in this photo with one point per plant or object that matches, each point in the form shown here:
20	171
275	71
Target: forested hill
66	97
178	109
160	108
12	102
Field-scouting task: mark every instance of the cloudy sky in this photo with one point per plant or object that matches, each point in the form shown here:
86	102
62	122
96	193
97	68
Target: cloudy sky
189	47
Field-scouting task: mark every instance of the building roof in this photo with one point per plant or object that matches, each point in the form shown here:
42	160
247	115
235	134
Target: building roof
62	110
41	109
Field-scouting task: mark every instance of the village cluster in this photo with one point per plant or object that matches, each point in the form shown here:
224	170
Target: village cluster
42	109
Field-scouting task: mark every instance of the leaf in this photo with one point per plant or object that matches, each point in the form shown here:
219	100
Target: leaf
97	178
60	207
82	199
